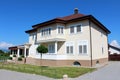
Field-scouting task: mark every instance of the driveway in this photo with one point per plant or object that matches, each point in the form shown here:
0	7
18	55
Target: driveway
109	72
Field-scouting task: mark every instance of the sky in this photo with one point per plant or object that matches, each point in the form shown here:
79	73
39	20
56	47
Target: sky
17	16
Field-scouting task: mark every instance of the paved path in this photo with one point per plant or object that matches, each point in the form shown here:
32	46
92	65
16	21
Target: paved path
12	75
109	72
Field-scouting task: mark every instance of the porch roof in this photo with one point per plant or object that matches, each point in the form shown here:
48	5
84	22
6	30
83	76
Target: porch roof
51	40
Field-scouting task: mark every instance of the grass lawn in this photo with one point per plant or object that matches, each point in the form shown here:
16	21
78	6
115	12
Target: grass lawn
53	72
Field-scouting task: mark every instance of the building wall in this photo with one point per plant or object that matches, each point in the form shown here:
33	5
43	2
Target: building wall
99	41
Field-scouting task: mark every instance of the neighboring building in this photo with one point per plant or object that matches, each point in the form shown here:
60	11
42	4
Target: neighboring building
76	39
114	53
114	50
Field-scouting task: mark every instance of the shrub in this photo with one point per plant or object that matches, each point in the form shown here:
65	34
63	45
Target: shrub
22	56
10	58
14	55
20	59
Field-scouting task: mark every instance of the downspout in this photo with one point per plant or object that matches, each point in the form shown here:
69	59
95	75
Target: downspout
90	44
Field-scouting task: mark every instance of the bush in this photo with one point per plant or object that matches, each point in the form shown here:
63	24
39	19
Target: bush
20	59
14	55
10	58
22	56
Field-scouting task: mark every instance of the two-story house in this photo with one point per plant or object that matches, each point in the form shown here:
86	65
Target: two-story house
76	39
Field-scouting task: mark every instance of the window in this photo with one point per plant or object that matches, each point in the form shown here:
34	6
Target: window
60	30
69	48
51	48
33	36
102	50
72	29
46	32
82	47
78	28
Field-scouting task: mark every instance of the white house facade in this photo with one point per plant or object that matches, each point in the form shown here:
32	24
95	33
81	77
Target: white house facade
76	39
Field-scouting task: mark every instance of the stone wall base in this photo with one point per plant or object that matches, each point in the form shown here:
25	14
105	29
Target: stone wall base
62	63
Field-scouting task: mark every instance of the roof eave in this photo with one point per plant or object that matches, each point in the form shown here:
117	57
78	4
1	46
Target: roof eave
93	19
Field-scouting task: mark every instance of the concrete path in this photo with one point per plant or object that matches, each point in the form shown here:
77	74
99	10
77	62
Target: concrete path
109	72
12	75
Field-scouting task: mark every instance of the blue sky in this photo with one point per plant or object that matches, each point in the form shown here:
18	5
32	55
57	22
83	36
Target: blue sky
17	16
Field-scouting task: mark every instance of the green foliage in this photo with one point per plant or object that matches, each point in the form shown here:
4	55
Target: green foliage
10	58
1	51
3	55
42	49
22	56
14	55
20	59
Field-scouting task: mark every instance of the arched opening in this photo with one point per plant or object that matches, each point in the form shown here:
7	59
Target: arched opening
97	62
76	63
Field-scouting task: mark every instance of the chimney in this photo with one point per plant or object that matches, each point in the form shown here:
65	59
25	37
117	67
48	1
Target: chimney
76	11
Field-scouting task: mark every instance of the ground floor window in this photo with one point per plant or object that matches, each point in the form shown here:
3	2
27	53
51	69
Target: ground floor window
69	48
51	48
82	47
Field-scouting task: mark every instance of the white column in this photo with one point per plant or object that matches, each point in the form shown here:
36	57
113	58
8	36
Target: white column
18	52
25	52
56	47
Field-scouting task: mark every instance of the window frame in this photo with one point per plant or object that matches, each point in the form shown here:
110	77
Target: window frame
83	47
75	28
69	48
46	31
60	29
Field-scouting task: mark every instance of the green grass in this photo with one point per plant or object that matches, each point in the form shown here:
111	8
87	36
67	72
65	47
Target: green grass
53	72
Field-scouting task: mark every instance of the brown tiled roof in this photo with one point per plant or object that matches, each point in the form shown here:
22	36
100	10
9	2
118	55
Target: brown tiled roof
68	19
73	16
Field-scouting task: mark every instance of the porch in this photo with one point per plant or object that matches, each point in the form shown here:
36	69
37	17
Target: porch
54	45
18	51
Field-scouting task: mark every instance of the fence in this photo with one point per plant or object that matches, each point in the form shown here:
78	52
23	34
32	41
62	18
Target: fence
114	57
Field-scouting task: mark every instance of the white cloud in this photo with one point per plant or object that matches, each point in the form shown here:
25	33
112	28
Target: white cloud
115	43
5	45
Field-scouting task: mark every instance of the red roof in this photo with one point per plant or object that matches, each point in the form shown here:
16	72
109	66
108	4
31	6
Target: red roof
70	17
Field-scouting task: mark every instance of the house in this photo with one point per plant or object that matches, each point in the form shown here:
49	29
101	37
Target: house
114	53
75	39
114	50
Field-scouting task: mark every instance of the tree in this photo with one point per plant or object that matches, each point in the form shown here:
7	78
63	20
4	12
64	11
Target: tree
1	51
42	50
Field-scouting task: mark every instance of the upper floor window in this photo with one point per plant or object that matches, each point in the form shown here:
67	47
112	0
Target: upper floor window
46	32
78	28
72	29
75	29
60	30
33	36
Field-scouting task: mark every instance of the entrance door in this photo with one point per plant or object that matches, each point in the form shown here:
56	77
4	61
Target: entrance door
51	48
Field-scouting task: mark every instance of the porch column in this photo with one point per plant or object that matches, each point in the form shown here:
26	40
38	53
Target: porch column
12	52
18	52
25	52
56	47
